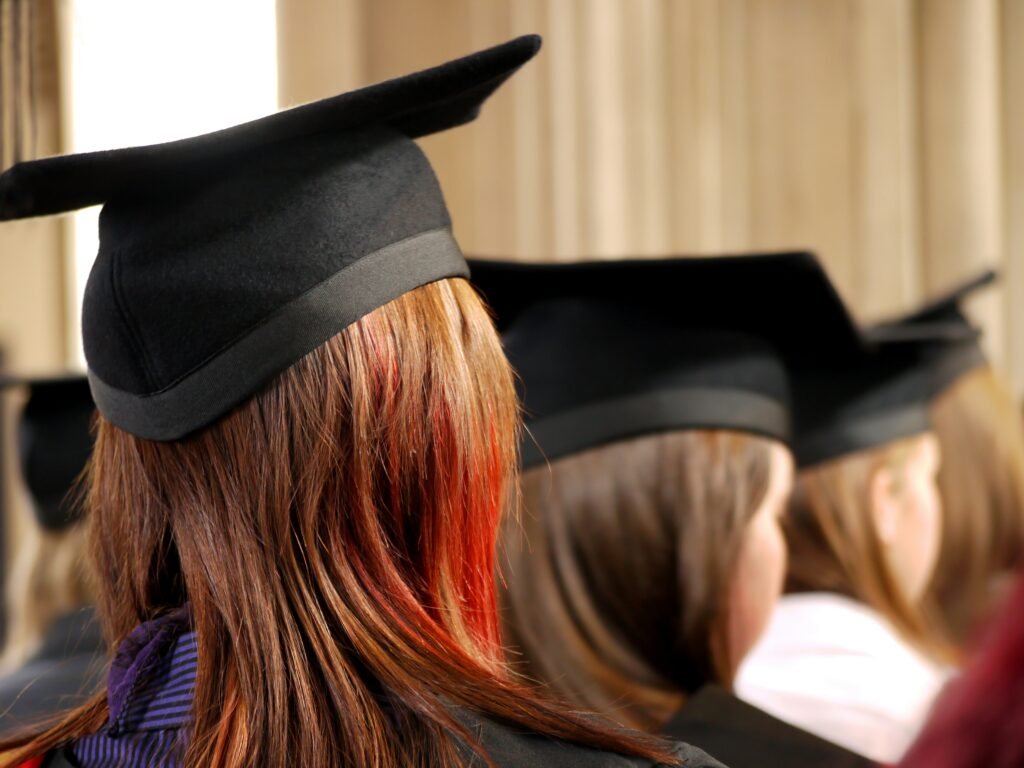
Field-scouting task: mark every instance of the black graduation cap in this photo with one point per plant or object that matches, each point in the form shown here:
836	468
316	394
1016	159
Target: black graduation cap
873	400
54	444
224	258
609	350
951	357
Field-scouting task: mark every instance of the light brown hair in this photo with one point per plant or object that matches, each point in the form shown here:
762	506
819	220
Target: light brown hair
981	483
335	537
834	544
616	584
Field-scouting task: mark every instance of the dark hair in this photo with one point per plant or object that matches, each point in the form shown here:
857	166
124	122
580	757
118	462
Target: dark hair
616	583
335	536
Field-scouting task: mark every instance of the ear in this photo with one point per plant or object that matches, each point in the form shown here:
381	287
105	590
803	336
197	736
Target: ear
885	505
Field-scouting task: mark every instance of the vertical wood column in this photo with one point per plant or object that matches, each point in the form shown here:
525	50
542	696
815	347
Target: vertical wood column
961	180
34	273
1012	72
321	49
885	252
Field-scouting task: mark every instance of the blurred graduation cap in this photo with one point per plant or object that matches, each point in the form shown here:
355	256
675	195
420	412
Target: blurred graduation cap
225	258
610	350
54	443
958	351
874	400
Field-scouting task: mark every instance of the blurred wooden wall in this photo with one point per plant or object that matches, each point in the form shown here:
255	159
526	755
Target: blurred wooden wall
34	272
887	135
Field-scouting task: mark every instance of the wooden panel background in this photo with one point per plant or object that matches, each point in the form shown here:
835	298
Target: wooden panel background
887	135
883	134
33	271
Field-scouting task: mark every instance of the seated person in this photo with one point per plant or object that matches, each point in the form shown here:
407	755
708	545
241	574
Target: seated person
848	654
656	470
306	440
978	424
54	637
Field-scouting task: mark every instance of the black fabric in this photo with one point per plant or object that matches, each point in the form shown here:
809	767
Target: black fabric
946	306
948	362
513	748
786	297
54	445
296	328
872	401
953	357
651	412
64	672
57	759
743	736
415	105
225	258
239	249
593	372
607	351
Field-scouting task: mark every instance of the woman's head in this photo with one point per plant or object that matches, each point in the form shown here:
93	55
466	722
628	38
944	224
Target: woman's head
981	483
346	514
868	525
335	536
646	568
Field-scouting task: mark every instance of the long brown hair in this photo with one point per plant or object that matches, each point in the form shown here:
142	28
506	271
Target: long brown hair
834	545
616	583
335	537
982	487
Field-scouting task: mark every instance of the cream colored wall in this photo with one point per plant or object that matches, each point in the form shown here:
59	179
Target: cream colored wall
884	134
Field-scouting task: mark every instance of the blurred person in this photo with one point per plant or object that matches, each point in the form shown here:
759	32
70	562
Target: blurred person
981	482
306	438
978	722
848	654
54	647
655	473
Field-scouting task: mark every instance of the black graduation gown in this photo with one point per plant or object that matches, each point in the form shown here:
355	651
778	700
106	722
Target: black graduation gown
63	673
513	748
744	736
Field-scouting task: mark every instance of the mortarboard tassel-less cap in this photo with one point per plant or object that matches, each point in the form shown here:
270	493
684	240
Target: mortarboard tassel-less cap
226	257
611	350
54	444
872	401
950	358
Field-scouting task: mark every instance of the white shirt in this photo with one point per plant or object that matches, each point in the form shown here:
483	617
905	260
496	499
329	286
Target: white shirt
837	669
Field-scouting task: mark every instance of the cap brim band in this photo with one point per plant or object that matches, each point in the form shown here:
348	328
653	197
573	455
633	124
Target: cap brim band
860	434
610	421
954	363
296	329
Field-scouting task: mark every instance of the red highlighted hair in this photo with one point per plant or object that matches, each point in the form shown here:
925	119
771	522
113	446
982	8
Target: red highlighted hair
335	536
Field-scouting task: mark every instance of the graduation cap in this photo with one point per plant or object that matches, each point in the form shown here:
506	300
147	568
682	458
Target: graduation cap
54	444
958	351
874	400
225	258
610	350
